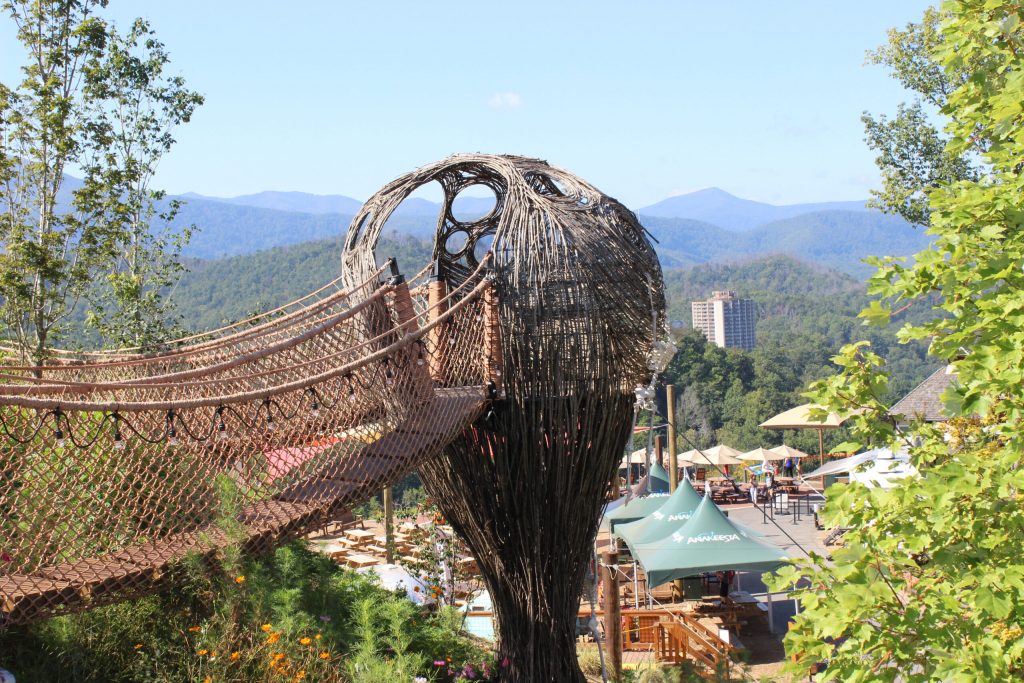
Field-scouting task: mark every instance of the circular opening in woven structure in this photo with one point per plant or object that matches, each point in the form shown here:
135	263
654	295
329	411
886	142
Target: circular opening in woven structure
474	203
456	242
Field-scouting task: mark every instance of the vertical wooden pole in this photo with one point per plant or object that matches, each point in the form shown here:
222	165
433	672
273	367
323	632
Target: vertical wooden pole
405	314
821	447
389	526
673	452
437	340
659	452
612	615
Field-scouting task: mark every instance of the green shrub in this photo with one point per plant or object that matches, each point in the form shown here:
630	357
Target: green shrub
293	615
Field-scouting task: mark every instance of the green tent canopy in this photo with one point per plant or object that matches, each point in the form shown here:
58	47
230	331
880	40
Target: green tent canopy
658	477
635	509
709	541
676	510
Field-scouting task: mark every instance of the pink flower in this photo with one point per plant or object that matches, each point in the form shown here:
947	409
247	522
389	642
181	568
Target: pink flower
504	663
439	662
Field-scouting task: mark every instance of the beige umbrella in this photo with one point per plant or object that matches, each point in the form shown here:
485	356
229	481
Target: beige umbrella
785	451
799	418
688	458
718	456
637	457
761	455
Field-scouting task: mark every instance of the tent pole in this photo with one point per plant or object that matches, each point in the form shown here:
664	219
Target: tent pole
771	615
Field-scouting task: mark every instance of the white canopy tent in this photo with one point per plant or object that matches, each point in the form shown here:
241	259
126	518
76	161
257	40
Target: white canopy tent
877	467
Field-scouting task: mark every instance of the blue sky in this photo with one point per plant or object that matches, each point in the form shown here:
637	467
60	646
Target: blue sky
643	99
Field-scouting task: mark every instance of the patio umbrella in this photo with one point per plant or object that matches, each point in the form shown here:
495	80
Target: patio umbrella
760	455
785	451
709	541
799	418
685	459
719	455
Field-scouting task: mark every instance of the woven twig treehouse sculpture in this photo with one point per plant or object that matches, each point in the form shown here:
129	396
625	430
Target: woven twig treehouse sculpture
579	297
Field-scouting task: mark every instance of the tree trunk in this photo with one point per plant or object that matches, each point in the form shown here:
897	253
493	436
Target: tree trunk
527	505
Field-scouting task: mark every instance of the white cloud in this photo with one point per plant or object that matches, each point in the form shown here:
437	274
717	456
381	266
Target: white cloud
505	100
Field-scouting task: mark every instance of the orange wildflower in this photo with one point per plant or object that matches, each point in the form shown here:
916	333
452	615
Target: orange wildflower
317	636
235	656
240	579
202	652
305	641
325	655
266	628
138	646
273	637
194	629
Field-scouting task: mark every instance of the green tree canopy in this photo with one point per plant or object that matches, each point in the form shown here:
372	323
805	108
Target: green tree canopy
928	585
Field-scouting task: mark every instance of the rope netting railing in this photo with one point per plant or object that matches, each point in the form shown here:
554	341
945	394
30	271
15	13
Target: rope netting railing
227	342
113	470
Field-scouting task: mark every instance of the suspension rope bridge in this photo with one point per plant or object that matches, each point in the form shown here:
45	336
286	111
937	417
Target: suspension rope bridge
115	465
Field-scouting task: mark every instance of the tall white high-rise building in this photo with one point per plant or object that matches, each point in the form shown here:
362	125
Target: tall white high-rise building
726	319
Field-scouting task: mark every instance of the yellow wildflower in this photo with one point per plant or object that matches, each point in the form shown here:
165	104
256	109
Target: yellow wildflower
317	636
202	651
138	646
273	637
325	655
300	674
305	641
208	679
235	656
266	628
240	579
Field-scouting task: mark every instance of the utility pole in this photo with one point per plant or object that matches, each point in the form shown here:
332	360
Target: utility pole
673	453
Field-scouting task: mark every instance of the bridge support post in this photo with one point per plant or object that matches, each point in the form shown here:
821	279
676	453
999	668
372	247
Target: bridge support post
389	526
612	614
405	315
437	339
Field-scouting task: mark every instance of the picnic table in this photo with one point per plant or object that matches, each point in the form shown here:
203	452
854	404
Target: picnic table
359	535
358	560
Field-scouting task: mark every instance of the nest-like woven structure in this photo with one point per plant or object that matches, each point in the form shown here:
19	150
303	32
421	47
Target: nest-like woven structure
580	300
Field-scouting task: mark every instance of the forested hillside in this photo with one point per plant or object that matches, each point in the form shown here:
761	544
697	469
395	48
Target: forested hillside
216	292
805	314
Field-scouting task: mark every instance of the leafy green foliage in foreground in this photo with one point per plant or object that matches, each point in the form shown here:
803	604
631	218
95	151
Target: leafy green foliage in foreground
293	616
929	586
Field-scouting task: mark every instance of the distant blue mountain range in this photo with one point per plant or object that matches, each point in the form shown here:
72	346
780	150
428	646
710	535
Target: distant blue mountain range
701	227
732	213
